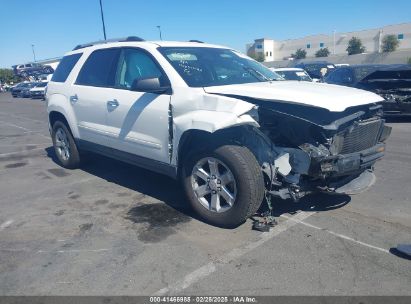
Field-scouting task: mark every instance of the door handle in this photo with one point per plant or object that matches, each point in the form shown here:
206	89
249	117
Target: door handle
74	98
113	103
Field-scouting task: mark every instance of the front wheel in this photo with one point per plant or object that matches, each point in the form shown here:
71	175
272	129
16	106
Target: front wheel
224	185
65	146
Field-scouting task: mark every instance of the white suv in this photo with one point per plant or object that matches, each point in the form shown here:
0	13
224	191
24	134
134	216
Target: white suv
233	131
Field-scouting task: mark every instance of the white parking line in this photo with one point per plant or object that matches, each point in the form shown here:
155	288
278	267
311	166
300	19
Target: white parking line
23	151
13	125
6	224
72	250
24	129
336	234
55	251
22	145
19	116
236	253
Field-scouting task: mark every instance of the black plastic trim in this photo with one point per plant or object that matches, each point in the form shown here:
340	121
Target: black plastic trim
139	161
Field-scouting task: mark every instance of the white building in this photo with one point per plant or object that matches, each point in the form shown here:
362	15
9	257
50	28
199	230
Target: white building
335	42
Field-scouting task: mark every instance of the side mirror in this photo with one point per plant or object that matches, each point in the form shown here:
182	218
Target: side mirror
149	85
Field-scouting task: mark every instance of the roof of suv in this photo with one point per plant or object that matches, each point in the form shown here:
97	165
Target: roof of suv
123	43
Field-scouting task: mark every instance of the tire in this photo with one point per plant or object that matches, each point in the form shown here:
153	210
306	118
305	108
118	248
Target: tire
247	187
67	155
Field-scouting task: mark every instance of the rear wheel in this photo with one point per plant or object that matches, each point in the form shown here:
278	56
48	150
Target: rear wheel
64	146
225	185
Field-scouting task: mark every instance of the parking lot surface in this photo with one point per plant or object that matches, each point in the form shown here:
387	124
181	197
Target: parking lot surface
113	229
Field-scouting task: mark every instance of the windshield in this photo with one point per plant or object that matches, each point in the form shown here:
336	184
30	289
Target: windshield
41	84
318	70
294	75
204	67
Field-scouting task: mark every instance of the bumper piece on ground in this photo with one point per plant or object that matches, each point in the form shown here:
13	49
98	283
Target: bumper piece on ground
356	185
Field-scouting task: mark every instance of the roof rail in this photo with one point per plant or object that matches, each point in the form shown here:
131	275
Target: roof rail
129	38
193	40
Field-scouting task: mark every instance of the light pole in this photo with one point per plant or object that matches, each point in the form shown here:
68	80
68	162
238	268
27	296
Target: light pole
159	29
34	54
334	42
102	20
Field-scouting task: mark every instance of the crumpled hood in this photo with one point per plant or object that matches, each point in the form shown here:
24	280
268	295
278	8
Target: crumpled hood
331	97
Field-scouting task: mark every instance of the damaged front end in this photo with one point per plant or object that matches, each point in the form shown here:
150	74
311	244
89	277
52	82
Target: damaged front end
397	101
306	149
393	83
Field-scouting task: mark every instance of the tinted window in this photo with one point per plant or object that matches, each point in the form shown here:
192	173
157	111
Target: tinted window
99	69
346	76
294	75
363	71
341	76
136	64
313	70
333	77
64	68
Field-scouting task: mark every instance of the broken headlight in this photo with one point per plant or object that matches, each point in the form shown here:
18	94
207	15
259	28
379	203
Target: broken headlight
315	152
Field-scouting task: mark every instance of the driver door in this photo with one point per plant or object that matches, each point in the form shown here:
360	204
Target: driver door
138	122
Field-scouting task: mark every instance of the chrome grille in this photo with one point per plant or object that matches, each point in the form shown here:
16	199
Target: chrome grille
361	136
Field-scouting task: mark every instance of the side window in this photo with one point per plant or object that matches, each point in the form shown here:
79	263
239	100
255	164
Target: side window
64	68
334	76
135	64
99	69
346	76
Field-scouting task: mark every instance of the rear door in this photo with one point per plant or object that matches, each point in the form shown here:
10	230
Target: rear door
138	122
92	89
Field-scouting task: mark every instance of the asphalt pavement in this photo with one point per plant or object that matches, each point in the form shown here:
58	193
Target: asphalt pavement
113	229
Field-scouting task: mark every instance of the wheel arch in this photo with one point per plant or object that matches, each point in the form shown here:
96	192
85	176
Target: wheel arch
242	135
57	109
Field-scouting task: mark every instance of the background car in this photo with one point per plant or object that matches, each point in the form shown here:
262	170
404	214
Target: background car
292	74
25	90
32	69
317	70
392	82
15	90
39	90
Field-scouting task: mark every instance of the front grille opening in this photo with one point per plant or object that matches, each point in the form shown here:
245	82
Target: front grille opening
361	136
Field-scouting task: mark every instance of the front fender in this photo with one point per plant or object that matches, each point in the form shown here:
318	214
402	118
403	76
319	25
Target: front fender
206	121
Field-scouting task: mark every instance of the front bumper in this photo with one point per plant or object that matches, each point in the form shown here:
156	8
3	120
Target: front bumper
37	95
353	184
348	164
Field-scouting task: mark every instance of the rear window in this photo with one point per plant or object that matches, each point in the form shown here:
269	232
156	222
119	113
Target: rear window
99	69
64	68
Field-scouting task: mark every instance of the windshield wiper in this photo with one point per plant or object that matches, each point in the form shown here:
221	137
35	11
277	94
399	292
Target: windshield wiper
259	74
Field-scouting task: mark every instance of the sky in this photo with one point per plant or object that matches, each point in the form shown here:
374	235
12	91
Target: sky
54	27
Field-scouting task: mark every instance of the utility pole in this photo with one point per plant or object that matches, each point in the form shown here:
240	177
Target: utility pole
34	54
102	20
159	29
380	40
